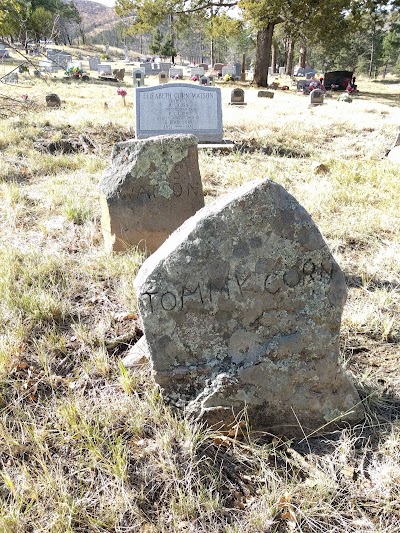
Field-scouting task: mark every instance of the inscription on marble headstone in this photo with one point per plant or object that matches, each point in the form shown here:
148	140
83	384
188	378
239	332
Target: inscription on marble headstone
179	108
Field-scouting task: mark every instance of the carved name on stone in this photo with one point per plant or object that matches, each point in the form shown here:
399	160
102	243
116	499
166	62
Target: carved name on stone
150	189
241	308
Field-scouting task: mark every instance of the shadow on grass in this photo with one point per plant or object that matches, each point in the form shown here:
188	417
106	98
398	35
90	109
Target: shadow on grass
387	82
390	99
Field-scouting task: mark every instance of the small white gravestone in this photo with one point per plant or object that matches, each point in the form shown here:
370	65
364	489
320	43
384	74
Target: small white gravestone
316	97
104	69
229	71
138	77
281	71
94	62
147	67
45	65
179	108
62	59
197	71
165	66
74	64
175	72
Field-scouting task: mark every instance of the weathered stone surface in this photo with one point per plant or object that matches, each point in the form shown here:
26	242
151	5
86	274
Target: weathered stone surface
241	306
138	356
397	140
150	189
265	94
394	154
316	97
53	100
344	97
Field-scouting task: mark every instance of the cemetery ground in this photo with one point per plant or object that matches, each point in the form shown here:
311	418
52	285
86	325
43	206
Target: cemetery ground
85	444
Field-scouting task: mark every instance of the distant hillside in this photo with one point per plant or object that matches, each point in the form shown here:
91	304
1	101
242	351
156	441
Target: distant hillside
96	18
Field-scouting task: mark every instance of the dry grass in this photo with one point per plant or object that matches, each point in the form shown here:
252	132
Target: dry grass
86	445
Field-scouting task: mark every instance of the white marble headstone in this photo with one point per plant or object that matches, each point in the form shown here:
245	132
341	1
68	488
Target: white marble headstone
179	108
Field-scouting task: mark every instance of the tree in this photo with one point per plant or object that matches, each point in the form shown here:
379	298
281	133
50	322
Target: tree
391	47
156	42
305	20
168	49
35	18
41	23
149	14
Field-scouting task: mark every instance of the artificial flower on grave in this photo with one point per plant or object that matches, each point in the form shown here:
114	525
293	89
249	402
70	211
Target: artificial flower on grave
122	92
74	72
194	78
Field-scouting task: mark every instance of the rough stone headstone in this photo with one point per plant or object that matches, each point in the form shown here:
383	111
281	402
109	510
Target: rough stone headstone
150	189
119	74
265	94
179	108
53	100
397	139
316	97
237	97
241	309
344	97
394	154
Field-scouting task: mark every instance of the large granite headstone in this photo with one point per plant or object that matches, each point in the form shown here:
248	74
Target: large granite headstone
150	189
179	108
241	308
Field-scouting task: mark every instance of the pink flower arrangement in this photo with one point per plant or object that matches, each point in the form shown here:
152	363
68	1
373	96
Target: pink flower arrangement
122	92
194	78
